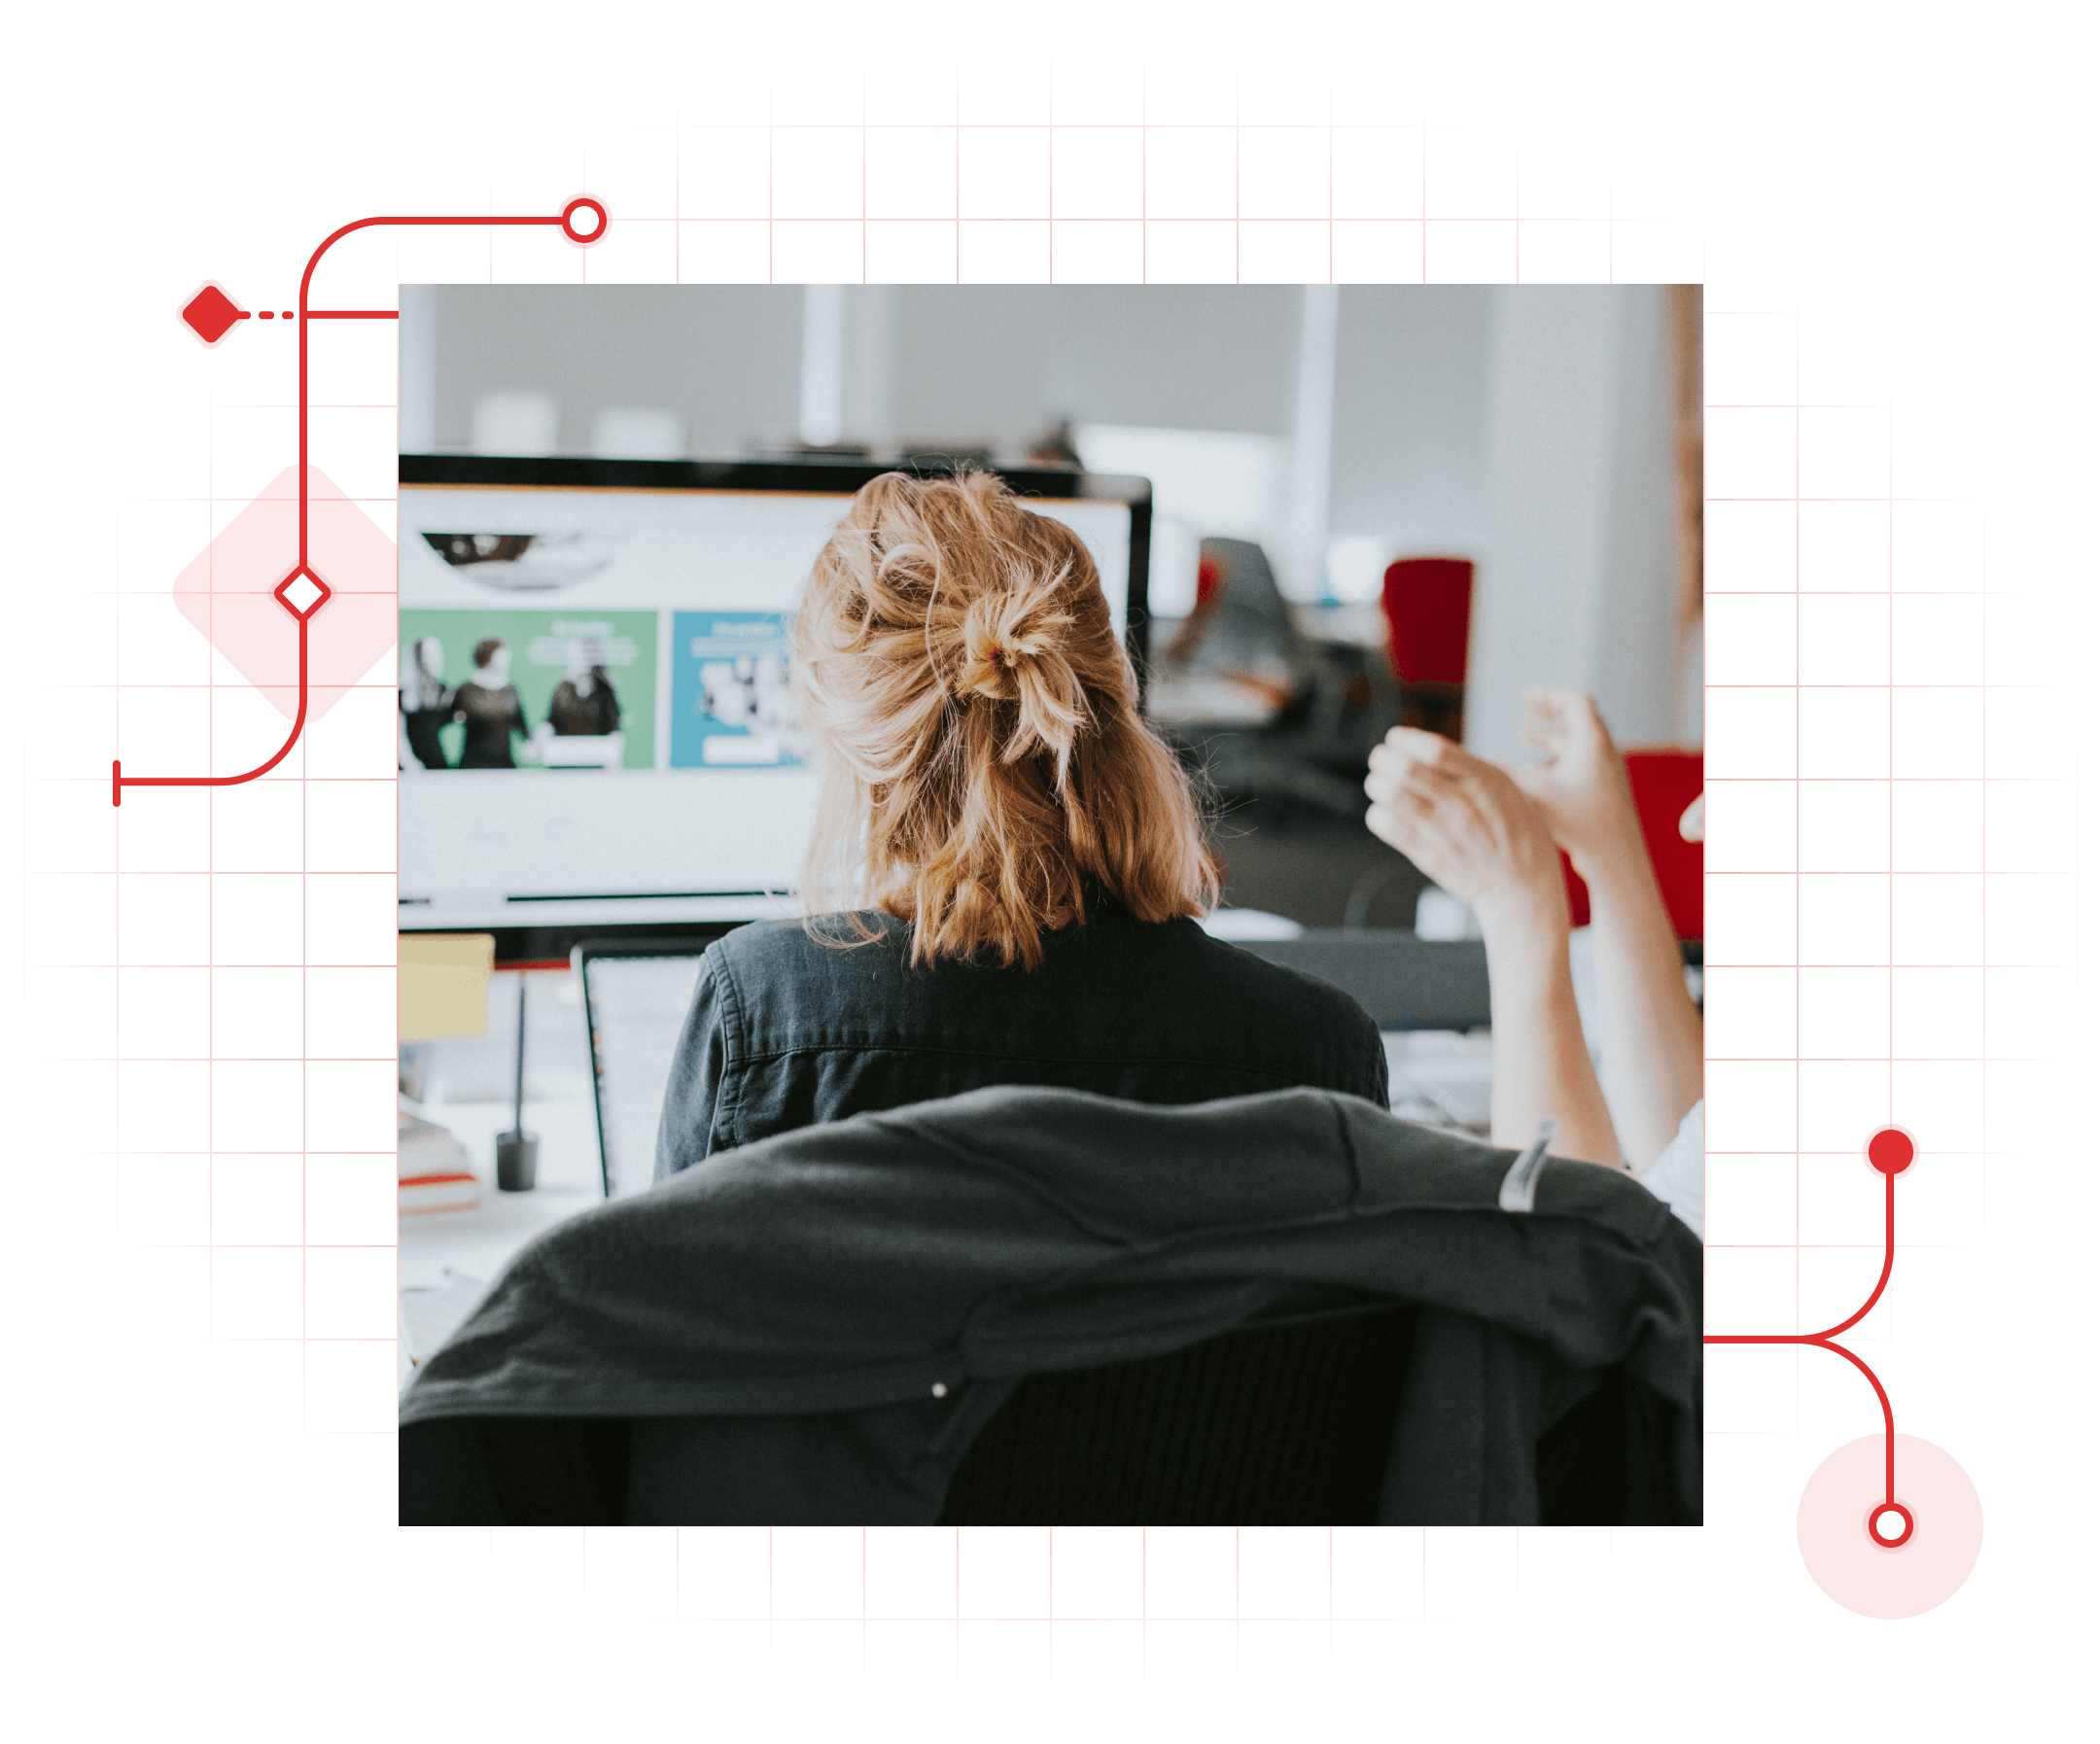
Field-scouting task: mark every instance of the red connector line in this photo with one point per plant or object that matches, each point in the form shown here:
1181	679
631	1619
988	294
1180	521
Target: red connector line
119	782
316	590
1827	1338
305	280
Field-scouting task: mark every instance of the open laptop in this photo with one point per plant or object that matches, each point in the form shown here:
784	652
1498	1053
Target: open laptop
635	994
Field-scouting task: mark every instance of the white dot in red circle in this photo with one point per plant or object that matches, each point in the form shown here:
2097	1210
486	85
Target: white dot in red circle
1844	1514
584	220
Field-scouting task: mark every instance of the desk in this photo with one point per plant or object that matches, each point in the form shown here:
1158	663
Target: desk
1441	1078
1404	981
440	1249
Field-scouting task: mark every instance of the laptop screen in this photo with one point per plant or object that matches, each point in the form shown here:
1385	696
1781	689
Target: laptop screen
637	1006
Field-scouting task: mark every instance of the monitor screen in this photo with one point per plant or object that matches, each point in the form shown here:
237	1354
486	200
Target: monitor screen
598	709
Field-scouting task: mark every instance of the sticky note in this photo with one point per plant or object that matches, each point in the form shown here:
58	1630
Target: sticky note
444	984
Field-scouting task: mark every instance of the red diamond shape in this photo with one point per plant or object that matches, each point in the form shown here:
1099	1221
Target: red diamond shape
234	592
302	585
210	313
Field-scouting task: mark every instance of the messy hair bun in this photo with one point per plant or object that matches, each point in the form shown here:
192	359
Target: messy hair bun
978	722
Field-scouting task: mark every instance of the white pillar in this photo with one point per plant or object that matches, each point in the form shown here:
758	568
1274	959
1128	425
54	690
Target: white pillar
1575	575
1305	553
416	334
823	364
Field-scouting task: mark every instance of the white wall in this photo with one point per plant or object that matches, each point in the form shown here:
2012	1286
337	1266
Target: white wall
1530	428
727	356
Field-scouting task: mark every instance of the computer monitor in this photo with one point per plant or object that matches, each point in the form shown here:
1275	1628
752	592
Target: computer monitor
631	754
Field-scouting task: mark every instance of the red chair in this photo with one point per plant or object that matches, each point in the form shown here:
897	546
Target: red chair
1664	783
1428	606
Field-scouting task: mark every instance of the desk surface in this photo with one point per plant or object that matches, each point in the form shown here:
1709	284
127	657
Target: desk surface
447	1257
481	1242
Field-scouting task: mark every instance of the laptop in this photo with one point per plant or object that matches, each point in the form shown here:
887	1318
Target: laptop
635	994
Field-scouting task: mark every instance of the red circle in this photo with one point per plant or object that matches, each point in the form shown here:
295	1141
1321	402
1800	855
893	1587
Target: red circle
583	239
1891	1150
1910	1525
1838	1545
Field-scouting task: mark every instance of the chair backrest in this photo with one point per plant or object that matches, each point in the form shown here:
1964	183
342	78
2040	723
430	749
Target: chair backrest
1664	783
1285	1423
1428	606
1282	1423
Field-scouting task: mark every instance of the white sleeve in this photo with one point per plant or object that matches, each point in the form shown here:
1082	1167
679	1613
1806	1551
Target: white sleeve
1678	1177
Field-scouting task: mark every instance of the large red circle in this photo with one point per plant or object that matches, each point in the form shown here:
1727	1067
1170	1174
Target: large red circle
1891	1150
1880	1577
583	238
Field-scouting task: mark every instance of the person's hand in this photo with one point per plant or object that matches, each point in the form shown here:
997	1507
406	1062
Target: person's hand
1465	823
1582	786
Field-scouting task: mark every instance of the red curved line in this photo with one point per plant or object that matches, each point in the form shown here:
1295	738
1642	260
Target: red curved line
328	242
1888	1262
119	781
1888	1413
1821	1342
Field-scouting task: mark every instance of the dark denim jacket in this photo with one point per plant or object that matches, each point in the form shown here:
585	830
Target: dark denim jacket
786	1032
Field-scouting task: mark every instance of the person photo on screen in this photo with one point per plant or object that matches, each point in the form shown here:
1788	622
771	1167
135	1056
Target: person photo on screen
426	705
489	705
1487	835
1008	863
584	703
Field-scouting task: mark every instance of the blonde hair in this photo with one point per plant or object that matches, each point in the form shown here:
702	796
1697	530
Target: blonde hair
977	719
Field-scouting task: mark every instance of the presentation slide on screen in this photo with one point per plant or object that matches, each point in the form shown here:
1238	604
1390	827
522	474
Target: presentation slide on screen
597	690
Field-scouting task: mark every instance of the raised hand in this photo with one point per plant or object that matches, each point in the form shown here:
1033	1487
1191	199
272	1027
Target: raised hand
1465	823
1582	786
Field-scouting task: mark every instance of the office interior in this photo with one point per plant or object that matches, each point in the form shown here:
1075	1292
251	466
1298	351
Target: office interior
1547	438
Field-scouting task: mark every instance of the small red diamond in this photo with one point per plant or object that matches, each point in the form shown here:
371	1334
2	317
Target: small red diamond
210	313
227	593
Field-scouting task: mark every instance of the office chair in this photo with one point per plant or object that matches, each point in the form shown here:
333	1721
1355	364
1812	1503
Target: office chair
1305	718
1428	604
1664	783
1285	1423
1282	1423
1273	1425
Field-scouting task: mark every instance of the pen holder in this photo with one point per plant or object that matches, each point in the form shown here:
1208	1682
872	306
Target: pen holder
517	1162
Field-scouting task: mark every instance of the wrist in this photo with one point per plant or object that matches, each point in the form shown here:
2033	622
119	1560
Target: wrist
1612	855
1525	917
1622	884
